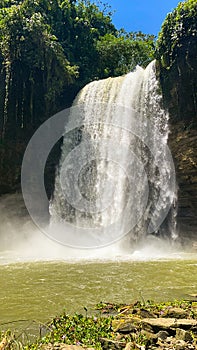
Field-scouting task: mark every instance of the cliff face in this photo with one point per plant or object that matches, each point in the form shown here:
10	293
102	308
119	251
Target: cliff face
183	145
177	61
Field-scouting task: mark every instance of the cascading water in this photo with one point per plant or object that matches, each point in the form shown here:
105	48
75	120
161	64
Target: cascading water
116	175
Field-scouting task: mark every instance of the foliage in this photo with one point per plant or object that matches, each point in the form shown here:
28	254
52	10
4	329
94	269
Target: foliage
120	54
33	64
178	29
176	51
50	47
77	330
48	51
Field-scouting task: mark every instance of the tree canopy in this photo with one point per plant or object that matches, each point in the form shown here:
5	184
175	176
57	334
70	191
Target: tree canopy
176	51
178	29
50	49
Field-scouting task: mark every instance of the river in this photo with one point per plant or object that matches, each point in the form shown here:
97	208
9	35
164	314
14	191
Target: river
34	292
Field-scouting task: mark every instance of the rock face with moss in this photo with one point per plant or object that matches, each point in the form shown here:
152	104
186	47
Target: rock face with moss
176	54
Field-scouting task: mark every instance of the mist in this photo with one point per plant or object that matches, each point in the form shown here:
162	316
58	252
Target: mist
21	240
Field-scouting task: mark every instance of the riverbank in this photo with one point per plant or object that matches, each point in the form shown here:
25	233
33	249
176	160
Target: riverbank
140	325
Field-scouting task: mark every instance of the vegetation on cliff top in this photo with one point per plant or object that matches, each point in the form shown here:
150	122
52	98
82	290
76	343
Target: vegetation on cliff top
176	51
178	29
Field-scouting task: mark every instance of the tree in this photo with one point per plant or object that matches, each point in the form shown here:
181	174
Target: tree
49	49
176	51
122	53
34	69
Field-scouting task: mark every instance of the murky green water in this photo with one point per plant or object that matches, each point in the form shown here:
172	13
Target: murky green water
38	291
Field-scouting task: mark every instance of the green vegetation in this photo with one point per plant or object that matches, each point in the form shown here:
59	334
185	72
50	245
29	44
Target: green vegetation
114	326
176	51
49	50
178	29
120	54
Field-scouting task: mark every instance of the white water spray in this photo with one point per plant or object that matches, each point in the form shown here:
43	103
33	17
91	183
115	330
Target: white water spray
116	175
115	183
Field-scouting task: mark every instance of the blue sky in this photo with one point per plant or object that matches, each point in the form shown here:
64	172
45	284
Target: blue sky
144	15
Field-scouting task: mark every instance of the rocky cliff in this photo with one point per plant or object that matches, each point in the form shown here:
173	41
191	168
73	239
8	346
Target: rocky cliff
177	61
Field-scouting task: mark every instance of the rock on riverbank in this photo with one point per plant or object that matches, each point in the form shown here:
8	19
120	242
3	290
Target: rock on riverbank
165	326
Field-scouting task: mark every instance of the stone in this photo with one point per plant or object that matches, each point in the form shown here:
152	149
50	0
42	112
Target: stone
3	344
176	312
143	313
166	323
123	325
159	323
60	346
184	152
193	295
163	335
185	323
112	344
181	345
181	334
129	346
149	335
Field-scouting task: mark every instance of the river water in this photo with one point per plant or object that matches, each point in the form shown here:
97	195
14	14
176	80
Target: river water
41	279
33	292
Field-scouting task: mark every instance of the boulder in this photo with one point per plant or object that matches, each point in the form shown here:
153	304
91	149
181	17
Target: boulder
159	323
181	345
163	335
185	323
181	334
112	344
167	323
126	325
176	312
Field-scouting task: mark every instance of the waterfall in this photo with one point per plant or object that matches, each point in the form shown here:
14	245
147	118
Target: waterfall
116	175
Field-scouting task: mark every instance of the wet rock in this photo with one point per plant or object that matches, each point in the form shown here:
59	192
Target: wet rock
183	146
181	334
